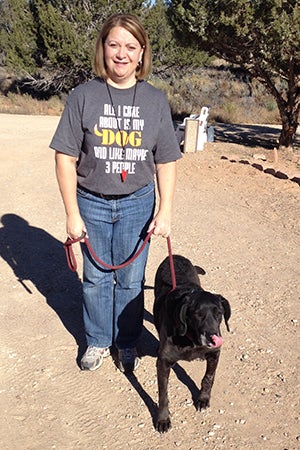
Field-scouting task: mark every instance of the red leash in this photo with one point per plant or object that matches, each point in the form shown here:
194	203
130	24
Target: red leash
72	263
172	269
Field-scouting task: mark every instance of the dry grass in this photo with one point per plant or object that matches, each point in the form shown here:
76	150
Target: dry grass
24	104
231	100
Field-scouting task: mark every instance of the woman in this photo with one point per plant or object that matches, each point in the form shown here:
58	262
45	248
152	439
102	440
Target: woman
115	133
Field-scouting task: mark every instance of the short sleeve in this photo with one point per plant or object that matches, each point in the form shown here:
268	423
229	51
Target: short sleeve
69	135
167	148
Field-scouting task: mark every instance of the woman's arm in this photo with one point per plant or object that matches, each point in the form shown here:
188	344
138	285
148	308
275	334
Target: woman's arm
67	181
166	179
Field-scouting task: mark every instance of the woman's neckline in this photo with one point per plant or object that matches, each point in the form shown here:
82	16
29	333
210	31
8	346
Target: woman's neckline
120	90
130	85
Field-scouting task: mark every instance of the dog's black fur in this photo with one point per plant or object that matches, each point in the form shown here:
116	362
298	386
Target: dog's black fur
188	323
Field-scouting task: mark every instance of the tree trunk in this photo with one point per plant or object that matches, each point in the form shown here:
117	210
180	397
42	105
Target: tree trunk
288	132
288	103
290	123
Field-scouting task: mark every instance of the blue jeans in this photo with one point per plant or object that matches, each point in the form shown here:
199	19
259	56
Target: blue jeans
113	301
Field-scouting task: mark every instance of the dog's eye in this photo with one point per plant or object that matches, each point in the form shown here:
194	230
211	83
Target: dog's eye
217	312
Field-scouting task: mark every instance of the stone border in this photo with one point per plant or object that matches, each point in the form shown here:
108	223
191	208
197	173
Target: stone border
265	169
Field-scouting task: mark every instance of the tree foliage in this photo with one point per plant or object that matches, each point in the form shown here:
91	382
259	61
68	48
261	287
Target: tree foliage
18	44
262	36
67	33
51	43
169	56
53	46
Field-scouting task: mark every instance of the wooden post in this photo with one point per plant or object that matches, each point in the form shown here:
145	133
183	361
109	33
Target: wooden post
190	136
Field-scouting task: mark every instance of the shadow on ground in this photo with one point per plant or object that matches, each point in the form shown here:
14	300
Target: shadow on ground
249	135
38	259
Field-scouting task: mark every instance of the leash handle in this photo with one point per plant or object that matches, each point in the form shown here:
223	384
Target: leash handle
124	264
72	263
71	260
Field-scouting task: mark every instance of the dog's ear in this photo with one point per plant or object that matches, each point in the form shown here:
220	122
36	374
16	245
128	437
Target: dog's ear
176	320
227	310
200	270
182	326
176	312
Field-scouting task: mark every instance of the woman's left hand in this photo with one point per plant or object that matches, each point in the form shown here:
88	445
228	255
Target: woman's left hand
161	225
166	178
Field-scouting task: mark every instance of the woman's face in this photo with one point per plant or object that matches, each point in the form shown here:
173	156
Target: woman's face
122	53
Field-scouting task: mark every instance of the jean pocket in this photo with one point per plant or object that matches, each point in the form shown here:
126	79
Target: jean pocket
83	193
144	191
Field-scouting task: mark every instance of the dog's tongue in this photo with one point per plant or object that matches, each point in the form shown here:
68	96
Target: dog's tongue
217	340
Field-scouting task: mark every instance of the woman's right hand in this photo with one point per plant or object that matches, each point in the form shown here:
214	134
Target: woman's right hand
67	180
75	226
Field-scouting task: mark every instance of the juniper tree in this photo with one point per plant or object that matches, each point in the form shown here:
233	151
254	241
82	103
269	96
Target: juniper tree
261	36
18	45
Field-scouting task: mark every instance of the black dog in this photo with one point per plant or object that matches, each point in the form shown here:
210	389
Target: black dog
188	323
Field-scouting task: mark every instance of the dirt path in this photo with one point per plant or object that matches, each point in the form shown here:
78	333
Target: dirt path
239	223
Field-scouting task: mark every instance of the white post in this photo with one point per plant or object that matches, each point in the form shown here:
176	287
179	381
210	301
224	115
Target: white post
202	133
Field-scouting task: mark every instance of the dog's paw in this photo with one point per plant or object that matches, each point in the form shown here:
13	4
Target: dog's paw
162	426
202	403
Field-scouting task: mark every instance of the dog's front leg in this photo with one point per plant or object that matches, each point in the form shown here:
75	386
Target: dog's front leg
212	360
163	423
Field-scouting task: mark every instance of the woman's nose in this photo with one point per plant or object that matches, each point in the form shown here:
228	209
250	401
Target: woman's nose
121	53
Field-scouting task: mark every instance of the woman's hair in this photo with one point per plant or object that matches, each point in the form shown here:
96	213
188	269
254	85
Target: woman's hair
133	25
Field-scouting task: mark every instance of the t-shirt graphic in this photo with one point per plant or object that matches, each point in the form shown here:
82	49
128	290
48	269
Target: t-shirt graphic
120	133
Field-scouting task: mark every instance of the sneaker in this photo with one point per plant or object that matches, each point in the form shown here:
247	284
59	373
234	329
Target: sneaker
93	357
128	360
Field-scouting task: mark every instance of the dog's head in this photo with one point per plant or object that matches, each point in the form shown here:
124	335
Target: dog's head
198	314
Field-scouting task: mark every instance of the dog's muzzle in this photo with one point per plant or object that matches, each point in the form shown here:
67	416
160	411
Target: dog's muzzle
213	341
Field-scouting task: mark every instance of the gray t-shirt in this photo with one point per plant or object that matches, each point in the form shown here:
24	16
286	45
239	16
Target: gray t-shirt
95	131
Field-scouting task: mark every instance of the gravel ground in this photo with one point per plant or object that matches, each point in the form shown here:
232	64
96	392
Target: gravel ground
234	216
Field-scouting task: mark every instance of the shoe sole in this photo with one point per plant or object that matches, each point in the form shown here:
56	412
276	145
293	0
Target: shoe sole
106	353
91	369
129	370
